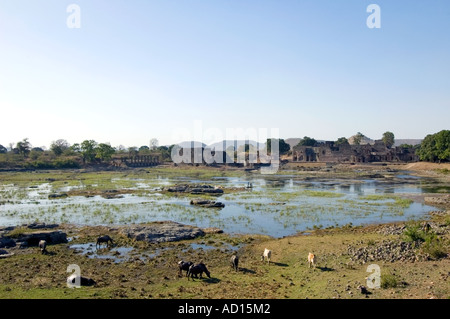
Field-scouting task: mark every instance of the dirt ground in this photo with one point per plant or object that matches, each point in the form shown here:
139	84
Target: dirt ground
30	274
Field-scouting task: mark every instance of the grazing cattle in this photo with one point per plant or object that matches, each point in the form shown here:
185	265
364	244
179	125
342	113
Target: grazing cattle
266	255
184	265
198	269
235	262
43	246
104	239
311	260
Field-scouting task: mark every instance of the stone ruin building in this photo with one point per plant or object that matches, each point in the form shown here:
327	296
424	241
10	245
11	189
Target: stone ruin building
329	152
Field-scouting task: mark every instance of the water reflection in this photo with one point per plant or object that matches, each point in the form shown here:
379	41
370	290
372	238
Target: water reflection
276	206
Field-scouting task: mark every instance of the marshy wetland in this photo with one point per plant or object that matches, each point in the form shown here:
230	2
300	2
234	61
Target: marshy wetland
275	205
334	213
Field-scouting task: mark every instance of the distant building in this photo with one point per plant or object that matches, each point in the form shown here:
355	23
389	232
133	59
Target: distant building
331	153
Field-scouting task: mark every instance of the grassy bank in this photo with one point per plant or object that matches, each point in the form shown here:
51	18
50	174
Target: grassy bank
151	270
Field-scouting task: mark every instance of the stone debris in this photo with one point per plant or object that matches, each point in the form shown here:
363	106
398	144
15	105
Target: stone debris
207	203
194	189
389	251
159	232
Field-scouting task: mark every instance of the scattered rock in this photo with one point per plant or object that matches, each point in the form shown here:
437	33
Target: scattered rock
364	290
56	196
42	225
159	232
438	200
6	242
194	189
5	254
52	237
387	250
207	203
391	229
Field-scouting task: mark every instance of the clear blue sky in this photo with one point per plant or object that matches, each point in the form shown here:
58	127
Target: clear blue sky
137	70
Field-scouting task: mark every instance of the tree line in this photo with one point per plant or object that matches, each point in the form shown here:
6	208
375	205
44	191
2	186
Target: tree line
62	154
434	148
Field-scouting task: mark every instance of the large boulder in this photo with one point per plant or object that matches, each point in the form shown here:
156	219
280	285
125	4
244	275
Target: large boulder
195	189
207	203
159	232
5	254
42	226
6	242
52	237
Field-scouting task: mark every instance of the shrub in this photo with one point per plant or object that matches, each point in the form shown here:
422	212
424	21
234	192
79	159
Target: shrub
435	247
414	233
389	281
66	163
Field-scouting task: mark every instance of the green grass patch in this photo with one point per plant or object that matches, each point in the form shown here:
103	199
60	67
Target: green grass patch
322	194
389	281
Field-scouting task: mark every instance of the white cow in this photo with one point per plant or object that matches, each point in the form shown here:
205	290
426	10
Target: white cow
311	260
43	246
267	254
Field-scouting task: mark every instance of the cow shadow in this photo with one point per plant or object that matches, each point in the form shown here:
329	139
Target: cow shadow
325	268
246	270
211	280
49	253
279	264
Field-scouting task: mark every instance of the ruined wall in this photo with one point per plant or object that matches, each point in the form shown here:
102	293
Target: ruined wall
331	153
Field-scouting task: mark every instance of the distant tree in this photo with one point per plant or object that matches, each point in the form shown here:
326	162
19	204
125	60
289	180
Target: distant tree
3	149
36	152
23	147
144	149
121	149
406	146
435	147
388	139
88	150
154	143
104	152
132	151
75	148
165	152
282	146
59	146
342	141
307	141
357	139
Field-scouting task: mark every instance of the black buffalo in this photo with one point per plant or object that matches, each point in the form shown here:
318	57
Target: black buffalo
198	269
184	265
235	262
104	239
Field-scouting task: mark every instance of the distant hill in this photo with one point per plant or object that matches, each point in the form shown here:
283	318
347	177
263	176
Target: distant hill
398	142
220	145
237	144
292	141
190	144
295	140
